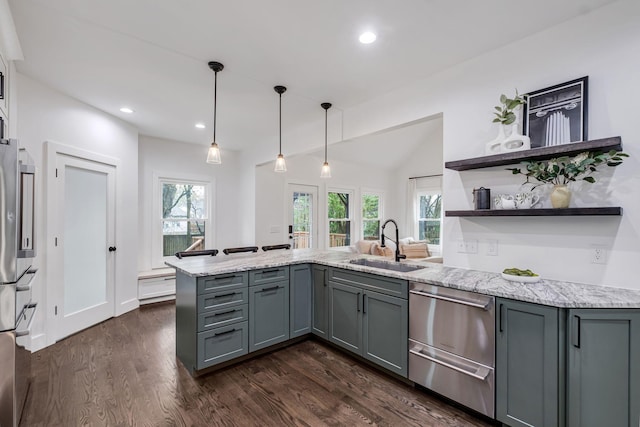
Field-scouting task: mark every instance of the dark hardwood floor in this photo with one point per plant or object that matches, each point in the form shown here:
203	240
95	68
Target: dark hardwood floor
124	372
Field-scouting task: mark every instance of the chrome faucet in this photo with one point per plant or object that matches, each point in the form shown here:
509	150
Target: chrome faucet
398	255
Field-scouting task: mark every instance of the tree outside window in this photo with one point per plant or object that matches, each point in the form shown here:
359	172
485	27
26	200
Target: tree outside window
184	217
429	217
371	207
339	219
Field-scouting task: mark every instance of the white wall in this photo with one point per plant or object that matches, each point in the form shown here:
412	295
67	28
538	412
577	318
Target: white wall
604	46
182	160
47	115
305	169
424	160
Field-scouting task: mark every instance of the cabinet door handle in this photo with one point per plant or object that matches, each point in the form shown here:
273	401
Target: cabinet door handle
575	333
272	288
358	302
217	334
363	301
501	314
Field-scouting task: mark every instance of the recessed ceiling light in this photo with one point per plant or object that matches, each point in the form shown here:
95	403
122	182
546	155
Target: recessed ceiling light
126	110
367	37
200	125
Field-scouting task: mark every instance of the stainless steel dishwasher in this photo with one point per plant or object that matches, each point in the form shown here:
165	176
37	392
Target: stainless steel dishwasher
452	344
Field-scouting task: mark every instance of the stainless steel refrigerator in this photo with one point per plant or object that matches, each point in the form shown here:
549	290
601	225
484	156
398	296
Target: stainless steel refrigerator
17	252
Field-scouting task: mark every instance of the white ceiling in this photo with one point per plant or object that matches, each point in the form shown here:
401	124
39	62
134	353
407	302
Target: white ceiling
152	54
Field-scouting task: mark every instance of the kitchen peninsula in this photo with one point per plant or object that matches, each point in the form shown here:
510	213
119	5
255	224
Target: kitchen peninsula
572	344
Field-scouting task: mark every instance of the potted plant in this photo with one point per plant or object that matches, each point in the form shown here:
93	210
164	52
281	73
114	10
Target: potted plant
563	170
507	114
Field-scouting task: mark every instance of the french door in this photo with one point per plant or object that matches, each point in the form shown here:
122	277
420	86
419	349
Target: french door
302	216
84	243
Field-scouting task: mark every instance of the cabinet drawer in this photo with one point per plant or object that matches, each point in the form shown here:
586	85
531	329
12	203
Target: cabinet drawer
156	287
268	275
223	299
221	282
222	317
222	344
373	282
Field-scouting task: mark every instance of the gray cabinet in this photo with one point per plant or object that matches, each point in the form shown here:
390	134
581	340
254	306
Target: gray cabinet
528	369
300	291
369	317
385	333
320	301
211	319
268	307
345	319
603	359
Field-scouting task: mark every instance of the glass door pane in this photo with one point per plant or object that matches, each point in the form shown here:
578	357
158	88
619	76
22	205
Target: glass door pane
85	239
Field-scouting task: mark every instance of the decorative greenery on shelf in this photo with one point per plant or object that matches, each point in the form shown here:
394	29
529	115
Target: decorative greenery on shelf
563	170
505	112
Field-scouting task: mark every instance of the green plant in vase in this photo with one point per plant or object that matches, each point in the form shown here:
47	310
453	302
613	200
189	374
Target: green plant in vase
563	170
506	113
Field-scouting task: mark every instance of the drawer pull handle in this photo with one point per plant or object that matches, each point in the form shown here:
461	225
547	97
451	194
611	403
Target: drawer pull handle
454	300
227	277
276	270
170	278
482	377
224	312
225	295
272	288
217	334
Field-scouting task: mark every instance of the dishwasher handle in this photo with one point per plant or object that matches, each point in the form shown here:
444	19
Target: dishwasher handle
454	300
484	372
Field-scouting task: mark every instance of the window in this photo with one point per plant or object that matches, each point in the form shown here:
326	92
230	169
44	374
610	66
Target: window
339	213
429	217
371	216
185	220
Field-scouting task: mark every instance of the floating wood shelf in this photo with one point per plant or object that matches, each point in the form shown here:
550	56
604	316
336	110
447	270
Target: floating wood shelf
610	211
544	153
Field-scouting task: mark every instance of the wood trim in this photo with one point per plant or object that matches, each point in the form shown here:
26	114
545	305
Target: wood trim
596	211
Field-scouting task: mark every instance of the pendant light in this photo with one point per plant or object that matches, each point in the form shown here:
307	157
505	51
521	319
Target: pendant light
281	166
325	172
213	156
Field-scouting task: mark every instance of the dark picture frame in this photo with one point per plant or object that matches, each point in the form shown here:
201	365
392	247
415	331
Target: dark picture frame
557	114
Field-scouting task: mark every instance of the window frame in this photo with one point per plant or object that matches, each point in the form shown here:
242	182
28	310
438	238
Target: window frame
380	217
159	179
437	248
351	213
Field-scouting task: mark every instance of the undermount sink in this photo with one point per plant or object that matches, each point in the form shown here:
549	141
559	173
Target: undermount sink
386	265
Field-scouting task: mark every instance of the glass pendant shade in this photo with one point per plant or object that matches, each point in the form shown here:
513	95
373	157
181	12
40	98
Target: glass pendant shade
213	156
325	172
281	166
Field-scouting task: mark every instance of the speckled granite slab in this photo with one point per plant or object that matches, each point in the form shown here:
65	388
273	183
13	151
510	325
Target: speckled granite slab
547	292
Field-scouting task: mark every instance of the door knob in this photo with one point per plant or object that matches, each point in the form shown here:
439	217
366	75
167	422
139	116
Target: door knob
112	248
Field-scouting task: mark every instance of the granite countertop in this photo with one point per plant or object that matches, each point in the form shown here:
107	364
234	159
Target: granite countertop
547	292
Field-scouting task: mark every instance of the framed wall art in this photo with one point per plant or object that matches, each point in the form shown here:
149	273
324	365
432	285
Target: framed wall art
557	115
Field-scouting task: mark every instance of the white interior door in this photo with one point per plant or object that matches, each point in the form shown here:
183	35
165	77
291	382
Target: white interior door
302	216
85	247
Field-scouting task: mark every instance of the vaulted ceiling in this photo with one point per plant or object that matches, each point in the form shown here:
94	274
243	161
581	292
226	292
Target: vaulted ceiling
152	55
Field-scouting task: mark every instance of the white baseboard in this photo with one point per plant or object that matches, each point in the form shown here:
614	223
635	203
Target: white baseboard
38	342
127	306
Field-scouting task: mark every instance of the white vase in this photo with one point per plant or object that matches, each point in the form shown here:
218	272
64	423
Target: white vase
516	141
495	146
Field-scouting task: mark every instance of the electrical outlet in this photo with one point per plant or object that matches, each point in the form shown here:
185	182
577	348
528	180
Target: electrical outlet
492	247
598	254
467	246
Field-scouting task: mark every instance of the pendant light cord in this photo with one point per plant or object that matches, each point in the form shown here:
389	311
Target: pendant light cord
325	134
280	152
215	103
